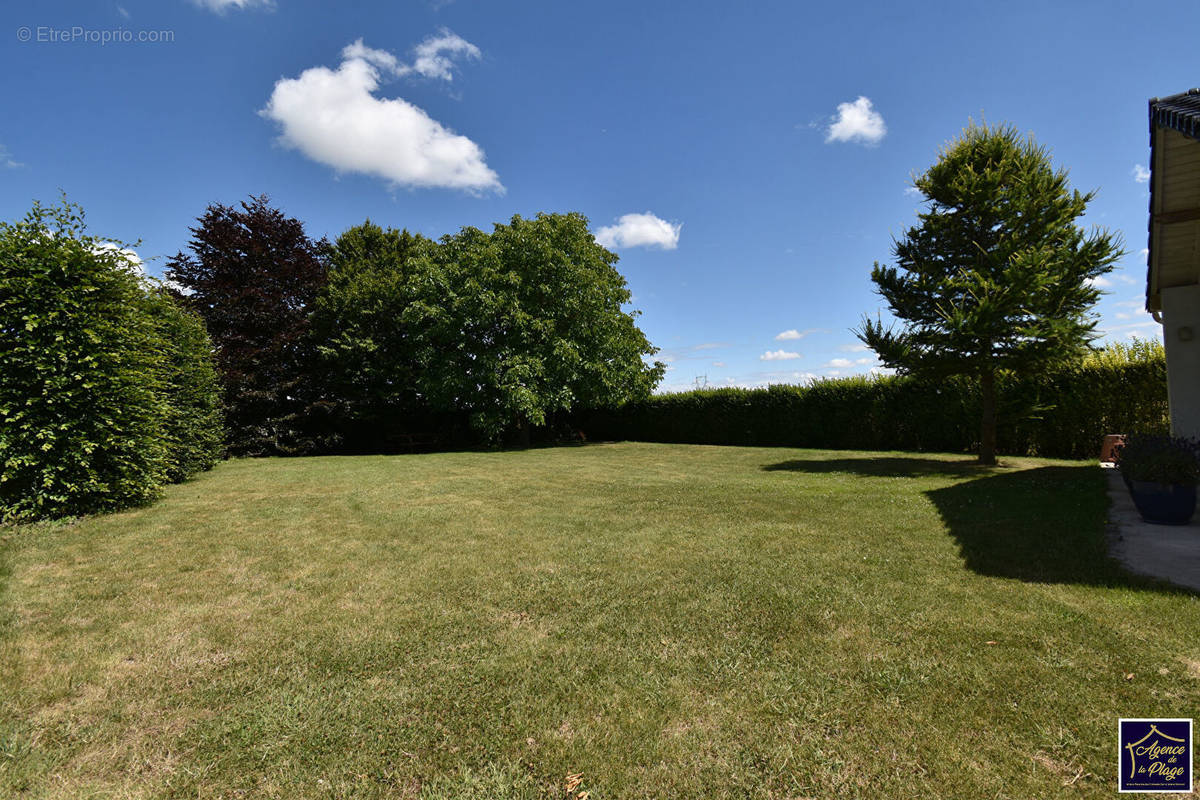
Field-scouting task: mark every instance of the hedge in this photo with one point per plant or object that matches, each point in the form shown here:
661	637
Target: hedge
1062	414
104	382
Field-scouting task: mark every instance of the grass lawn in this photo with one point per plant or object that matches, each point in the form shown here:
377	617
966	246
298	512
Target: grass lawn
670	621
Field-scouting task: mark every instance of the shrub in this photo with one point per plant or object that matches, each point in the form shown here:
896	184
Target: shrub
1159	459
105	385
192	426
78	374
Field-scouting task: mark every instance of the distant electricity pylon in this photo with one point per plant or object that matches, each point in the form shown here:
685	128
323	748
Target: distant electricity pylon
701	382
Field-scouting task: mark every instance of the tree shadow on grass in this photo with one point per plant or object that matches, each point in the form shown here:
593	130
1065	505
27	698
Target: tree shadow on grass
887	467
1041	525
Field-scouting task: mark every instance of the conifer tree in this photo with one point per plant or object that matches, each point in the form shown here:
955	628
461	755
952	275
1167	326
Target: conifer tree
996	276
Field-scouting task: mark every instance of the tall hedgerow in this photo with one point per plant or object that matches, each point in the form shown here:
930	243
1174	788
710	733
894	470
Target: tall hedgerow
1063	412
104	393
192	427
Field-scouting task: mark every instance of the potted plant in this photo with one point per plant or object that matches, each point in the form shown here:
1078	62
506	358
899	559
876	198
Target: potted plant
1161	473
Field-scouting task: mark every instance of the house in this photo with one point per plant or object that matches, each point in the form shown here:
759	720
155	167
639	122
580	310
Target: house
1173	263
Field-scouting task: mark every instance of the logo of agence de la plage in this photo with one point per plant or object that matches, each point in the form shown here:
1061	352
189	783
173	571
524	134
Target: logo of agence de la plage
1156	755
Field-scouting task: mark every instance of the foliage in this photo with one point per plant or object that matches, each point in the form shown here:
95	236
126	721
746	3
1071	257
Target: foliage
996	277
367	351
193	426
1135	351
97	377
1159	459
1062	412
527	321
506	328
252	276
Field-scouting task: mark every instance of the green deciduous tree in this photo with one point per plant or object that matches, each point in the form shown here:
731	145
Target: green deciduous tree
527	321
996	276
505	328
366	349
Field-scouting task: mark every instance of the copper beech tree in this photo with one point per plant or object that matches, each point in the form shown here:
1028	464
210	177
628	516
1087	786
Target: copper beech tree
252	275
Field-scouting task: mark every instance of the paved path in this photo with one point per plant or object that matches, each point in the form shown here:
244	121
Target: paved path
1170	552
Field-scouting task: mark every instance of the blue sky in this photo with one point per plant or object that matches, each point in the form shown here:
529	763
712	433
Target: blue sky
722	149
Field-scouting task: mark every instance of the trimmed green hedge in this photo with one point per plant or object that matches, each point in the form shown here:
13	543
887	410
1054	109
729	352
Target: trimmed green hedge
1062	414
107	389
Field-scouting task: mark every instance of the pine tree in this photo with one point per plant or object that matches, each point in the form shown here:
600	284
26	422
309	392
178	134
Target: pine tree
996	276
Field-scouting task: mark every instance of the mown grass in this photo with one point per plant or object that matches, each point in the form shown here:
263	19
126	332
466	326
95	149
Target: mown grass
671	621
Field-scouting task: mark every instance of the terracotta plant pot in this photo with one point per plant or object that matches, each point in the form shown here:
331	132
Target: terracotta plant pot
1108	448
1164	503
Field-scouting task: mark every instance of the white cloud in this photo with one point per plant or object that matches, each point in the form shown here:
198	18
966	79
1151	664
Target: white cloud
6	159
857	122
718	363
1140	173
640	230
913	191
862	362
790	335
123	12
221	6
131	260
1100	282
840	363
435	55
854	348
778	355
334	117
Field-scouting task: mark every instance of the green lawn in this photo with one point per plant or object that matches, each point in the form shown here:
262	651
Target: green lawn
671	621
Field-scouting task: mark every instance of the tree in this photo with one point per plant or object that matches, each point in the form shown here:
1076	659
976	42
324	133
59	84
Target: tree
513	326
503	329
366	350
252	276
996	276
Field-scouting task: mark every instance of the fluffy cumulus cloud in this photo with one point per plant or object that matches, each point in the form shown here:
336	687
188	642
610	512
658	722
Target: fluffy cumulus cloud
1140	173
640	230
778	355
857	122
221	6
334	117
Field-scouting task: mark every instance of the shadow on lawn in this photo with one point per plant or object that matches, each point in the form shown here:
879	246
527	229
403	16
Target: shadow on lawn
1042	525
889	467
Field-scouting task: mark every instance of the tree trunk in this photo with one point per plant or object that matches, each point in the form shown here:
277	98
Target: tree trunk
523	439
987	428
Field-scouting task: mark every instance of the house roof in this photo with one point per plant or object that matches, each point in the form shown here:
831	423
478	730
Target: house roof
1179	111
1174	194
